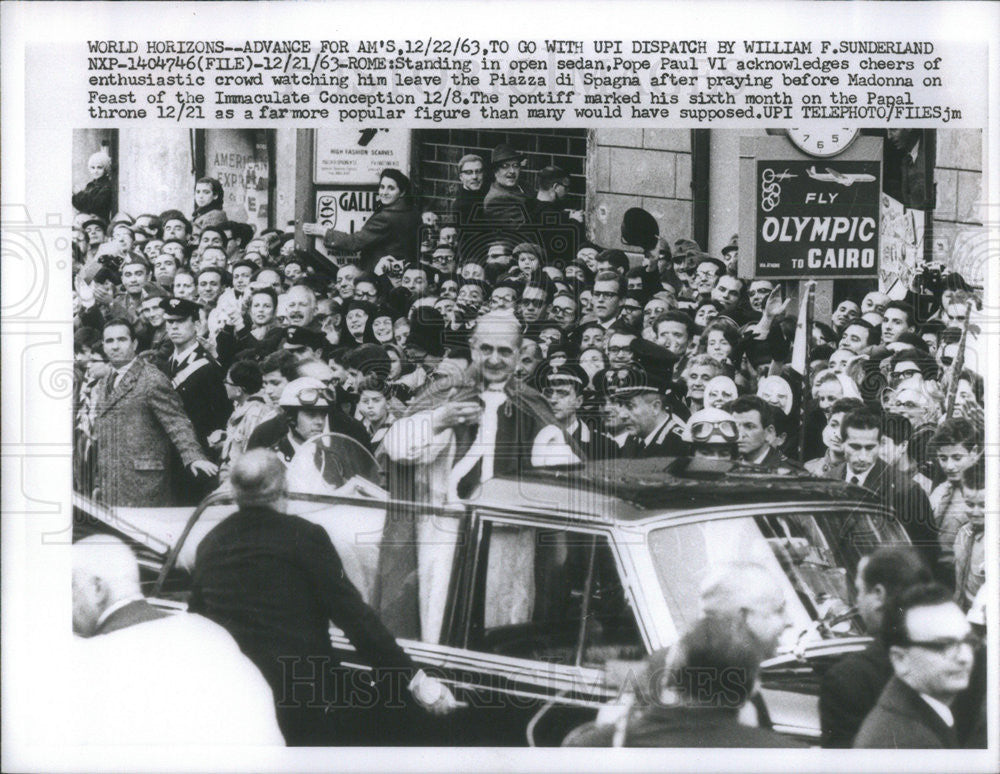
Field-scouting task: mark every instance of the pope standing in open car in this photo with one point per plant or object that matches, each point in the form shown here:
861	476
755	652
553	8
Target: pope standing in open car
456	436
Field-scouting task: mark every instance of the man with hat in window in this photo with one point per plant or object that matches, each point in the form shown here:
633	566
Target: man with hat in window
641	389
731	255
193	372
505	202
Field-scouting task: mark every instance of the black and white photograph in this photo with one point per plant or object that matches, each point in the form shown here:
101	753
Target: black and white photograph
515	454
458	425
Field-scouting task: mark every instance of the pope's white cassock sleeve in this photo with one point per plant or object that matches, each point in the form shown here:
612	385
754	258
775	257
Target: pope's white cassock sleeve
510	599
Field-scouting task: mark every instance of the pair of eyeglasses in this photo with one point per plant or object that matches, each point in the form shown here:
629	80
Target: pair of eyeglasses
898	376
603	294
947	646
618	350
702	431
558	311
365	294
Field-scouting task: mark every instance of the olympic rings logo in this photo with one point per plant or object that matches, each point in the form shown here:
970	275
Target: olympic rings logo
770	189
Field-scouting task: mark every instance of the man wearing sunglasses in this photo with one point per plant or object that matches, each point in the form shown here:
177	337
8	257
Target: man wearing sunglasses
932	648
468	202
912	368
505	201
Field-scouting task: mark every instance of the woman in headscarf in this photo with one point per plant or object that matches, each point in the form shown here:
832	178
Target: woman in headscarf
358	319
208	202
393	229
382	325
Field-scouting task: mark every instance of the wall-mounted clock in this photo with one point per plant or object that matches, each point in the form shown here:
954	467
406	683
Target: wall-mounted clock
822	141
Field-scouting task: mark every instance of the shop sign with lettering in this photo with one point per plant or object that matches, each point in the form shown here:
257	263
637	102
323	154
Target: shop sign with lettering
817	219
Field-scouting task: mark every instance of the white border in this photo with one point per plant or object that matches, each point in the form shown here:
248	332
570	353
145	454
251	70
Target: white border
35	421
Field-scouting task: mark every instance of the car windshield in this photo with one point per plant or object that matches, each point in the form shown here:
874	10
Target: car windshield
815	557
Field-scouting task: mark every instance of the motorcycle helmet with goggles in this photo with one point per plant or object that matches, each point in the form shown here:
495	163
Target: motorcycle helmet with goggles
304	392
712	426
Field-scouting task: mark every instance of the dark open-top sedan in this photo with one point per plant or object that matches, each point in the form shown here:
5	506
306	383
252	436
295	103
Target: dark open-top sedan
563	578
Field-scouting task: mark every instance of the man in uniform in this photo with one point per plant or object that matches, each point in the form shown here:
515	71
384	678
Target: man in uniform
642	390
193	372
562	386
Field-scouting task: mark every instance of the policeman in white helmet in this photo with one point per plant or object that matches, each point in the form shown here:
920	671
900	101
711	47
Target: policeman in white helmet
713	434
306	403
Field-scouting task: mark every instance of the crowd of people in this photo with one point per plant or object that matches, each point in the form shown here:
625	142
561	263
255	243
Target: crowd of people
198	340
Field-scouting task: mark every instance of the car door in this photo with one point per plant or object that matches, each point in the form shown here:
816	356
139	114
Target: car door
539	610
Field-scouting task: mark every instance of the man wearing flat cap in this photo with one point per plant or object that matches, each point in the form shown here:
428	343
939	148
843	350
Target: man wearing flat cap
506	201
641	390
194	373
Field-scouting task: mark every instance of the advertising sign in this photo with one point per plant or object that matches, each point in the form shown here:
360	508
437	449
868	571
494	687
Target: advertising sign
817	219
902	235
343	211
238	159
357	156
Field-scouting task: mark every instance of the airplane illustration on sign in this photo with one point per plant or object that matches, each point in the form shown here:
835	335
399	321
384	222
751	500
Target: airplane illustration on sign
841	178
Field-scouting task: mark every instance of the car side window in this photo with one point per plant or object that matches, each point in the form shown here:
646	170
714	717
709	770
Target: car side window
550	594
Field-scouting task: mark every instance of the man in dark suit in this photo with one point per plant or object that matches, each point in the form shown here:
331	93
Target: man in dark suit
851	687
139	421
276	582
755	420
106	593
931	648
861	431
695	695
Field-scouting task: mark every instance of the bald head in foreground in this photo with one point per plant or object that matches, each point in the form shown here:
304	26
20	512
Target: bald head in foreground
747	590
106	591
